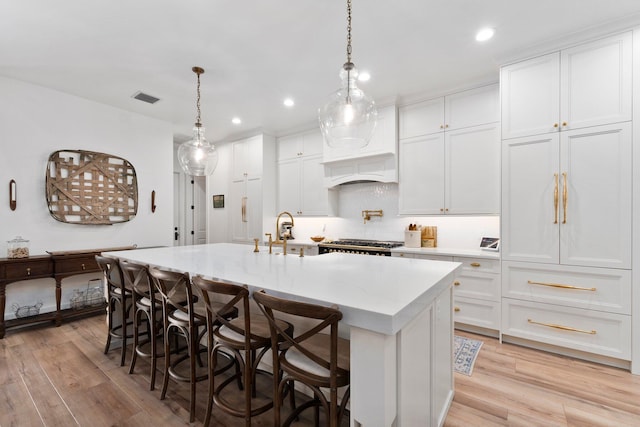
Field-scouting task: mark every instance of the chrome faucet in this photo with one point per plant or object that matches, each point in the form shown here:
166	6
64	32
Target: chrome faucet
278	241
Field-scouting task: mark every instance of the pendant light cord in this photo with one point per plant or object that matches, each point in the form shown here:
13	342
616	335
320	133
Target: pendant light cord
198	71
348	65
348	31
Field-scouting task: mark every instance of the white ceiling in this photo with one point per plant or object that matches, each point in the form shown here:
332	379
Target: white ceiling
256	52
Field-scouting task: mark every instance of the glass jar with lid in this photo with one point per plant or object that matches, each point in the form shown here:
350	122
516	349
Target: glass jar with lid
18	248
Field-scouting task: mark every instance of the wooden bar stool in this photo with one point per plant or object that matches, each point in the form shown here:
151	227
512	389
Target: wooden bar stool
312	357
147	307
121	296
185	320
247	337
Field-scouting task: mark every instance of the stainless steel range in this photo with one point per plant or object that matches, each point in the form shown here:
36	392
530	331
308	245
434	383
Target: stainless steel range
358	246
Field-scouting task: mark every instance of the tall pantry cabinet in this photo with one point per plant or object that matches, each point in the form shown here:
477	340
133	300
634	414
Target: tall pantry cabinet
567	199
252	186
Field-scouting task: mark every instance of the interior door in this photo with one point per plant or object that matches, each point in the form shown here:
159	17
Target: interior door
178	209
199	210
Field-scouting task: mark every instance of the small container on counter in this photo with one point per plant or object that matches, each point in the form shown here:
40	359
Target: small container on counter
18	248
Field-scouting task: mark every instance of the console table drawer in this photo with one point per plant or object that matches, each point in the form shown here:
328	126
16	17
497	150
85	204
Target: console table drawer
597	332
75	265
27	269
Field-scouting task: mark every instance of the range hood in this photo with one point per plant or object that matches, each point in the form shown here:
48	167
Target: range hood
378	161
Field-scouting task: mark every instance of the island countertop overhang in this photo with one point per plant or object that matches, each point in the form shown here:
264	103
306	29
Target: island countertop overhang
380	294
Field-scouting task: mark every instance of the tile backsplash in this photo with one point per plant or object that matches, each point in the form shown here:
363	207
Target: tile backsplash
462	232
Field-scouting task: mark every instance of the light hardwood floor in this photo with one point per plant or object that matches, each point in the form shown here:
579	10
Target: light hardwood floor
60	377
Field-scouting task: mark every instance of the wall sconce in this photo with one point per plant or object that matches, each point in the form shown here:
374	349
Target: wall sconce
12	195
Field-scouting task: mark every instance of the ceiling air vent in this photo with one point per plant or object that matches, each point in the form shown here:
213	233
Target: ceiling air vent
144	97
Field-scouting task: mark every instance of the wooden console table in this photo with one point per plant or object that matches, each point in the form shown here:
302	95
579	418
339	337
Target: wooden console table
56	265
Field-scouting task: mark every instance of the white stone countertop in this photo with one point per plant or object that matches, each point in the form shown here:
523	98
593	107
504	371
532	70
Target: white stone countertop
380	294
474	253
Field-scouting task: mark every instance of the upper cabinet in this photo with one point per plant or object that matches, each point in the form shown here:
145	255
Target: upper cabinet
301	189
587	85
459	110
450	155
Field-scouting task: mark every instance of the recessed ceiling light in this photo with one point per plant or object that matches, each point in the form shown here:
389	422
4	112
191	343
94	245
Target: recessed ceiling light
236	120
364	76
288	102
485	34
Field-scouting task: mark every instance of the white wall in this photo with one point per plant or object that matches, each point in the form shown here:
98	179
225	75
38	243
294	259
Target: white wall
34	122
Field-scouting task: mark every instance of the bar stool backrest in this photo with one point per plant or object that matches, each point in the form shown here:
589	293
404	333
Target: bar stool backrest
172	286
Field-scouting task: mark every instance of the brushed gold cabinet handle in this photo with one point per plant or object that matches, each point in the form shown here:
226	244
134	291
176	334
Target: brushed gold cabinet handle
446	126
441	209
565	198
559	285
555	199
441	126
564	123
564	328
244	209
456	309
555	125
475	264
28	271
456	283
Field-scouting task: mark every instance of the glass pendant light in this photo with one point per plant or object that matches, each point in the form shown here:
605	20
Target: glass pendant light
349	117
198	157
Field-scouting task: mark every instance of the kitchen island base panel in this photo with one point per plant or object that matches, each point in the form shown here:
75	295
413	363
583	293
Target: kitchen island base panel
415	365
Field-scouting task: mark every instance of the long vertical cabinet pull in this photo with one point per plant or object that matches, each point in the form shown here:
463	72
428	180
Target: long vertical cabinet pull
244	209
555	199
565	198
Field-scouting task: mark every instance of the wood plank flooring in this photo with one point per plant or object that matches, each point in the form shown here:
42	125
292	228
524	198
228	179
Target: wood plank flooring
60	377
517	386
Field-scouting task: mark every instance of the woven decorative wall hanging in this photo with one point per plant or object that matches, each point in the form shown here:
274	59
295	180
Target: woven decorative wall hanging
85	187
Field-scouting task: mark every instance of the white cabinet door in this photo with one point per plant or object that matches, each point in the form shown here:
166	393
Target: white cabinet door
530	209
596	83
247	158
289	185
530	96
595	228
472	167
423	118
238	203
254	209
421	189
472	107
289	147
314	197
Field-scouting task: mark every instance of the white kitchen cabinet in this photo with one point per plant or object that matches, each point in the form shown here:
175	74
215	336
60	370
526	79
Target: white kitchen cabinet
252	187
456	111
567	200
421	188
587	85
476	291
454	172
301	188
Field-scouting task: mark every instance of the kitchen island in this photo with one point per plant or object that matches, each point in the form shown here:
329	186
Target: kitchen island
398	312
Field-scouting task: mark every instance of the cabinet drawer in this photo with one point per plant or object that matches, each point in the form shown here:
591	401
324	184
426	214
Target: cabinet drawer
484	314
28	269
477	285
76	265
479	264
601	289
607	334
